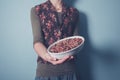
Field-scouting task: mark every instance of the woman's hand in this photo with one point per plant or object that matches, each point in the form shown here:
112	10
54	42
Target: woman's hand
42	52
55	61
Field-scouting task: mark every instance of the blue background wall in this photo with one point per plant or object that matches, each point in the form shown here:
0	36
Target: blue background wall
99	24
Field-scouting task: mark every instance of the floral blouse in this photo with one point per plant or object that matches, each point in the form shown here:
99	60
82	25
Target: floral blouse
49	26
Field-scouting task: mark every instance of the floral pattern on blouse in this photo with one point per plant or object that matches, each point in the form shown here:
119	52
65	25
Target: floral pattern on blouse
51	28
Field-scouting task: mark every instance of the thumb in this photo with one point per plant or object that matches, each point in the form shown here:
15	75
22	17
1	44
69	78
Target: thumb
49	58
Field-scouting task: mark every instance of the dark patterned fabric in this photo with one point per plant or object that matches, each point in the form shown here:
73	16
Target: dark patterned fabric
61	77
52	29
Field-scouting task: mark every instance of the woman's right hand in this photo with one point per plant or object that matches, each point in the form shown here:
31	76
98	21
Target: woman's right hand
42	52
56	61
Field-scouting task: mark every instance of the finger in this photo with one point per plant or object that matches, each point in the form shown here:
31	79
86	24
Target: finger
61	60
71	57
49	58
52	58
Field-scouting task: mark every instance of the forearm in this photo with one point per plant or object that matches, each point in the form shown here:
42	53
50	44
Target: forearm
40	49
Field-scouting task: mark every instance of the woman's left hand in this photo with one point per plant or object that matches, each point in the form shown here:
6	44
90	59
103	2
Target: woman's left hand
60	61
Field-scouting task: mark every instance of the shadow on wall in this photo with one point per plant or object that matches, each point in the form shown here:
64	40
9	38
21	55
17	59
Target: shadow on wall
90	55
108	57
83	59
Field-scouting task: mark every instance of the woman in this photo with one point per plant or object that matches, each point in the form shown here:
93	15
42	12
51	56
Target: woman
51	21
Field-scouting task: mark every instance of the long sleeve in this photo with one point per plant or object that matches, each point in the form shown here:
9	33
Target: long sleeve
36	28
76	31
